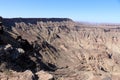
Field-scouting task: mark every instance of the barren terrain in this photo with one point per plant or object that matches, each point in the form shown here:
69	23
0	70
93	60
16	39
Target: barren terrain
58	49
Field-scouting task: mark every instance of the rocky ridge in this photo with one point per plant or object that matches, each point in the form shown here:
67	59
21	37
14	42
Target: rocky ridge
60	47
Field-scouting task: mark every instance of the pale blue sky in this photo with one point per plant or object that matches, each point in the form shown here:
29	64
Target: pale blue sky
78	10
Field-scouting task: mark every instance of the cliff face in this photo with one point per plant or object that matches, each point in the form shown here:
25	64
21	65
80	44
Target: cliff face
72	51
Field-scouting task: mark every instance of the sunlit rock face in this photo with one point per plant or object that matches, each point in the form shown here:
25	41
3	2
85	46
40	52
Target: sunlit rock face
66	49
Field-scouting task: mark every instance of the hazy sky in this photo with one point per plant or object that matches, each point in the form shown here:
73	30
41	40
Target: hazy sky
78	10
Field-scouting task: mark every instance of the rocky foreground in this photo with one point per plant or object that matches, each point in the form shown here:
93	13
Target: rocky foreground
58	49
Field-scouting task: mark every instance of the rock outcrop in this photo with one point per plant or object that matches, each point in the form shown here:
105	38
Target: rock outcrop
12	75
26	75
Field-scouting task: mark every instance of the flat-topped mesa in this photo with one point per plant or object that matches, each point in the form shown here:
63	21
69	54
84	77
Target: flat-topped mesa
38	19
34	20
11	21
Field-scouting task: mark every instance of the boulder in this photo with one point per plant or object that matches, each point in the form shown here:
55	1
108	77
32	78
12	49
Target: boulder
8	47
42	75
20	50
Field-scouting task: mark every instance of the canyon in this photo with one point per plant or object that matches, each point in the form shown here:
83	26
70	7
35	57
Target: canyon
58	49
